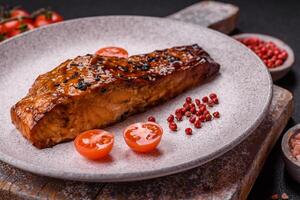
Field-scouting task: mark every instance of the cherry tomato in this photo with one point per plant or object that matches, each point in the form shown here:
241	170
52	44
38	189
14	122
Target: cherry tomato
49	17
94	144
19	13
113	52
143	137
11	25
2	29
2	32
20	29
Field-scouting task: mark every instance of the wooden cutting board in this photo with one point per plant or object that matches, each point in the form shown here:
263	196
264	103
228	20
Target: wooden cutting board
229	177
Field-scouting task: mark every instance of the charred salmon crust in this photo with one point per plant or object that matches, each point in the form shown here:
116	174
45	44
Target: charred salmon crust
93	91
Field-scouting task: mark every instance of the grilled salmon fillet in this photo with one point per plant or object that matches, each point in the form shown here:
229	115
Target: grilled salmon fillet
94	91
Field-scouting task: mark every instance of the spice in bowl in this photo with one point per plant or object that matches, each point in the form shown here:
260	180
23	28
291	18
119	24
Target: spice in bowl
268	51
295	146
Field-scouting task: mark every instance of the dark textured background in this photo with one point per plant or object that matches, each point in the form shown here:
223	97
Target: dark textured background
279	18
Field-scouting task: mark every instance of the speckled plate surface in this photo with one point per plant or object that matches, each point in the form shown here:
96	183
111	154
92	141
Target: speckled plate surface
244	87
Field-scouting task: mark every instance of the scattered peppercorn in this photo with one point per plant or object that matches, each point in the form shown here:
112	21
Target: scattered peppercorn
196	112
178	112
198	123
170	118
188	99
206	112
202	108
186	106
151	119
179	117
212	95
202	118
188	114
208	117
216	114
215	100
210	103
173	126
188	131
192	119
205	99
193	110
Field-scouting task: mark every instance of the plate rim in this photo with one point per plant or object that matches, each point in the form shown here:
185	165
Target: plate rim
135	176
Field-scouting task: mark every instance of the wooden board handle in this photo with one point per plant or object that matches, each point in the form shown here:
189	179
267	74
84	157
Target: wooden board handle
216	15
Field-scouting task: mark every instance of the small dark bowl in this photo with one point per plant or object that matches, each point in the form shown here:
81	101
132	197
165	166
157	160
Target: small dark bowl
291	163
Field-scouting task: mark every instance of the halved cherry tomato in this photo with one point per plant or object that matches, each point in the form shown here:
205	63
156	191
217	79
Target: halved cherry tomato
49	17
94	144
20	29
18	12
113	52
143	137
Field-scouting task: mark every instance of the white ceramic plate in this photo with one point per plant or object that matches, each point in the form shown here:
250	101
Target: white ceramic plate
244	87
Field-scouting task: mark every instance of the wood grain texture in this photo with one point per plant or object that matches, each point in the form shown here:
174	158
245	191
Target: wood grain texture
216	15
229	177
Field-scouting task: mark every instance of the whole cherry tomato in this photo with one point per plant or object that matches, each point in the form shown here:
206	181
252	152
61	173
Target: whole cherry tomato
143	137
48	17
94	144
2	32
20	29
11	25
18	12
112	52
3	29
